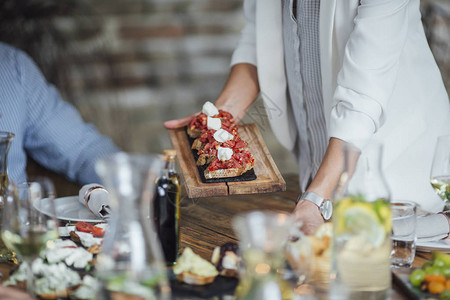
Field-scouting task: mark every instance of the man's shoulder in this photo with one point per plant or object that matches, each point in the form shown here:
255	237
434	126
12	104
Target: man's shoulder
11	57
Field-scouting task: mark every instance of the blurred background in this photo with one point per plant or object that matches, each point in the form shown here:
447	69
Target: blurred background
129	65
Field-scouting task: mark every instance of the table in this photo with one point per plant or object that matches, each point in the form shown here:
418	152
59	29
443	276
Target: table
206	222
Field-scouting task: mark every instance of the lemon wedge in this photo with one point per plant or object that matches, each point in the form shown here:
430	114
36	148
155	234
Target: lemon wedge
362	220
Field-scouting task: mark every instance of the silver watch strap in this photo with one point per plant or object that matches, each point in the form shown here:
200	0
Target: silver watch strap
312	197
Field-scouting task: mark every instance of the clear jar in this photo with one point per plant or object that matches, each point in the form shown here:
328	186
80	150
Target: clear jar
131	262
361	228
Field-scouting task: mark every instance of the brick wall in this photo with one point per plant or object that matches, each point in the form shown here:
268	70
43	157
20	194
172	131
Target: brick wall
129	65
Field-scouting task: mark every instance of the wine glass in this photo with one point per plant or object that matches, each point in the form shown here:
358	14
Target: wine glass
26	230
440	170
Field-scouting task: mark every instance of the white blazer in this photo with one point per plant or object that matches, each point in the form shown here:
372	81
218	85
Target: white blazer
380	82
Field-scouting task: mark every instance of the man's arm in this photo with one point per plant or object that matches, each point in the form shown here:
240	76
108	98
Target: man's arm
56	136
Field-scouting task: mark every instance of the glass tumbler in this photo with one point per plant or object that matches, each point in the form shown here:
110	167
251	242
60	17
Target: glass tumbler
403	234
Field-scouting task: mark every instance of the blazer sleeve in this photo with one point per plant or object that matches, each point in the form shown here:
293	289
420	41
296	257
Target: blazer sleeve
245	52
369	70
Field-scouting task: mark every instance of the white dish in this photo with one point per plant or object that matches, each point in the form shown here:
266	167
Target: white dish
68	209
440	245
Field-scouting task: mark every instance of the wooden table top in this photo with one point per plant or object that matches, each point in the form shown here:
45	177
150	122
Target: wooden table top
206	222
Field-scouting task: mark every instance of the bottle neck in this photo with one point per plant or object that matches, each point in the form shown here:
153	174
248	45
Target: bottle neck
170	165
165	172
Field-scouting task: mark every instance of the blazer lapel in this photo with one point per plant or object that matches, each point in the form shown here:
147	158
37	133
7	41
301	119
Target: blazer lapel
271	72
326	26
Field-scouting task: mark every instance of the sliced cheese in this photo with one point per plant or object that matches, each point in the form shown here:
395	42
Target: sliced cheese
87	239
213	123
222	136
224	153
65	230
209	109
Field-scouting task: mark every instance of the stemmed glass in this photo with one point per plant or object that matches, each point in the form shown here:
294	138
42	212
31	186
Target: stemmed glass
26	230
440	170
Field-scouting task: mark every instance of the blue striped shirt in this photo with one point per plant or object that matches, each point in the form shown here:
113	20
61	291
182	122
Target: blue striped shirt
47	128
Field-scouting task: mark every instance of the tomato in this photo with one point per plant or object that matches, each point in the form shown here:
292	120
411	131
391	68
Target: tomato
98	232
447	284
435	278
85	227
436	287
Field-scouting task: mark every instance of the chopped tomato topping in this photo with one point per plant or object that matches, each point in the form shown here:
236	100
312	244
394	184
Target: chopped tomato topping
238	160
85	227
200	121
98	232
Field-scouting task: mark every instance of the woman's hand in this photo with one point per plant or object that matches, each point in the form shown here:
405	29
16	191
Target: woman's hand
308	213
239	93
173	124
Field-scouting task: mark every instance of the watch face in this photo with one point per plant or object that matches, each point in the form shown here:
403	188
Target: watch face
327	209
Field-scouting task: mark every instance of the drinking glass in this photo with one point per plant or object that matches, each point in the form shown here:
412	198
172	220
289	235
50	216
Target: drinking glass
25	229
440	170
272	264
403	234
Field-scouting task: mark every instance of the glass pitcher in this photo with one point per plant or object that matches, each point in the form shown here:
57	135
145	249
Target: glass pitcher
6	255
265	274
131	262
361	228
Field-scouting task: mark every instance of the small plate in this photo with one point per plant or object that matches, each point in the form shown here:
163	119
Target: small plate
68	209
440	245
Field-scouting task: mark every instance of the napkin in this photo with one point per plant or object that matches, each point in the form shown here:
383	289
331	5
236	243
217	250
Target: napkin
96	199
431	227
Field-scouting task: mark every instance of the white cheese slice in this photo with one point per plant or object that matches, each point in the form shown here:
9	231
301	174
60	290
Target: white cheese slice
209	109
213	123
222	136
65	230
224	153
230	261
87	239
64	244
79	258
58	254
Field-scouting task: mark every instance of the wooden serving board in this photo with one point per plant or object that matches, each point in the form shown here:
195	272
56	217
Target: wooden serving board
268	179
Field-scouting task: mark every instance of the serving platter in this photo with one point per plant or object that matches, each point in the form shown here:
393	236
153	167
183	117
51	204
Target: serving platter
268	177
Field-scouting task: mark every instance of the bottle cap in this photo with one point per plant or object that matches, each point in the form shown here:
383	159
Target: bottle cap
170	153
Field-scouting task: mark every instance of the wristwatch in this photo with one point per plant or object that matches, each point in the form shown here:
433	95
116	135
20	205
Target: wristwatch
325	205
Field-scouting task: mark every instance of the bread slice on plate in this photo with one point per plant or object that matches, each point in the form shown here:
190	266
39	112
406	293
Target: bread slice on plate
205	159
197	145
194	132
194	279
224	173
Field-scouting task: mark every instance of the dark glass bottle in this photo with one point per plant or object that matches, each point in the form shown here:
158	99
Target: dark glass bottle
167	208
